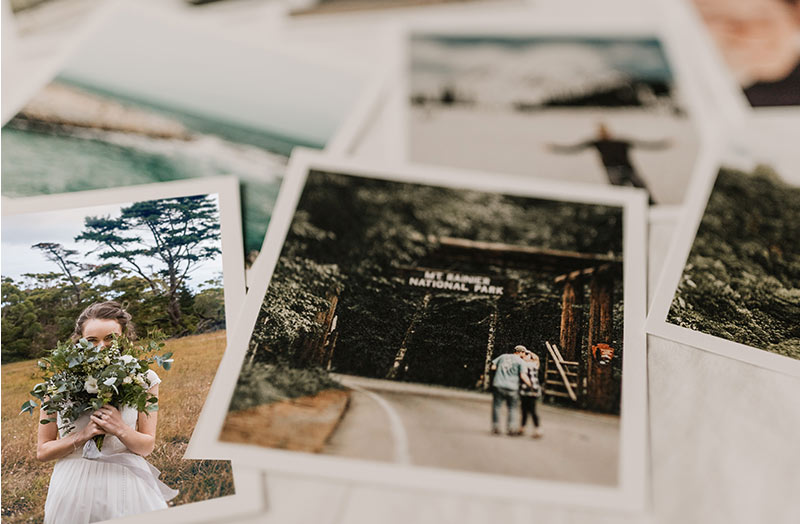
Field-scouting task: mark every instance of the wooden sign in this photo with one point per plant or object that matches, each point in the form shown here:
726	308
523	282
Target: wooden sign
433	280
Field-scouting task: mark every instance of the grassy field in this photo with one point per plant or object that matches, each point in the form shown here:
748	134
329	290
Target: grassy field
181	395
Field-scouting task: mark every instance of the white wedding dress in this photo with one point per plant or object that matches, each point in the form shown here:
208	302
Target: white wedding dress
115	483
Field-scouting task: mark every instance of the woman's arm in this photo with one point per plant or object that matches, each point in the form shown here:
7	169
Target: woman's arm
141	440
50	447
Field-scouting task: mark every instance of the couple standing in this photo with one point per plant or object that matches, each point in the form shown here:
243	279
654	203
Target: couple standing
516	384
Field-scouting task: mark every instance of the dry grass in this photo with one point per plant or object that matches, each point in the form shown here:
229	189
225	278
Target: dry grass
299	424
182	393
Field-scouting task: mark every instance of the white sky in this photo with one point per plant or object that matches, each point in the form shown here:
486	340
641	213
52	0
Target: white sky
150	58
20	232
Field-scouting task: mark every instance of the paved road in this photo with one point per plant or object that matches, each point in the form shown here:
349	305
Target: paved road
437	427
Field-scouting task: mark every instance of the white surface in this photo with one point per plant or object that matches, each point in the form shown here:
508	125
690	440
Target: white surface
723	433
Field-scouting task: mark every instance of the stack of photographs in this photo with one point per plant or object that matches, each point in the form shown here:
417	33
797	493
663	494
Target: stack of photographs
138	184
198	267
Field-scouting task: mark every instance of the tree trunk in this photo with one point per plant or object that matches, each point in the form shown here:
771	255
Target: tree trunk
396	370
601	385
571	319
174	312
489	347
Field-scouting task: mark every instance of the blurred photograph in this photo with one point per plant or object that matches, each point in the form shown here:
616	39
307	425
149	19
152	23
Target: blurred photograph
322	7
443	328
599	109
740	283
759	41
114	323
175	105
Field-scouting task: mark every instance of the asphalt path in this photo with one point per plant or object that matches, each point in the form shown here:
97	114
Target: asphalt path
439	427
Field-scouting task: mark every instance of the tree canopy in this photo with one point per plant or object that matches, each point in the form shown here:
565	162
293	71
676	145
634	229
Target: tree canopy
175	233
147	253
349	236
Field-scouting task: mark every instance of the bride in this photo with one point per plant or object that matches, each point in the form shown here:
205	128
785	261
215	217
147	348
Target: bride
90	486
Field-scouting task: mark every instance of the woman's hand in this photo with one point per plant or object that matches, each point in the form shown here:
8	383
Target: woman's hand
90	431
109	420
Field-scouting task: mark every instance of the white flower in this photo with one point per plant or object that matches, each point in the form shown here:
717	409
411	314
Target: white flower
127	380
128	359
141	381
110	381
107	360
90	385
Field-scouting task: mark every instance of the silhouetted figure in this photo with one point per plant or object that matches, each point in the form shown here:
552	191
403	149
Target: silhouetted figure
448	97
614	153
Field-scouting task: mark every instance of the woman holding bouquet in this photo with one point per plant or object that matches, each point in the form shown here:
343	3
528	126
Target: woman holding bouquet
89	485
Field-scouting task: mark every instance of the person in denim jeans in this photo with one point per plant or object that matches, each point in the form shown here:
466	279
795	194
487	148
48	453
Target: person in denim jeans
508	369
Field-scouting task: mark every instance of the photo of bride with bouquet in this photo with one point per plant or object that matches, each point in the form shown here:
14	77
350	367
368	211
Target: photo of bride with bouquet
113	327
86	379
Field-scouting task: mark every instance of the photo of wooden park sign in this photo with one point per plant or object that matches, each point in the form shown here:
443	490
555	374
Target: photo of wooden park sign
591	385
445	280
578	374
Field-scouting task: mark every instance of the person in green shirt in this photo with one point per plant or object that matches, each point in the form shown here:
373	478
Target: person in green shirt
508	370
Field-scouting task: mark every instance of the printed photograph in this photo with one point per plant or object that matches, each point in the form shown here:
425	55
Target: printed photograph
113	327
741	282
321	7
459	329
121	113
760	43
599	109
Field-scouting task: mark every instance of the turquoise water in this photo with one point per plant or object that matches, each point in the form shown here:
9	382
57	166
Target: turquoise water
38	163
45	162
261	138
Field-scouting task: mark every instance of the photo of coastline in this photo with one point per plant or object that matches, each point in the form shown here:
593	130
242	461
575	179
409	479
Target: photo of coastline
120	113
600	109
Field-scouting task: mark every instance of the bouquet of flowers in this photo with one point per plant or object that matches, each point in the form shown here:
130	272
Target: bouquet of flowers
82	377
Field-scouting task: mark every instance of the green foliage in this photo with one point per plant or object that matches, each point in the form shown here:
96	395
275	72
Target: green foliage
150	250
742	278
20	324
294	297
266	383
82	377
349	236
173	233
38	313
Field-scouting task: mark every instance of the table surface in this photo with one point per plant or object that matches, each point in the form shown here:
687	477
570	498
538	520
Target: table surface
723	434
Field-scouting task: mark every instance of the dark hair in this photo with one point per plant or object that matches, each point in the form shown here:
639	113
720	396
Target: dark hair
110	310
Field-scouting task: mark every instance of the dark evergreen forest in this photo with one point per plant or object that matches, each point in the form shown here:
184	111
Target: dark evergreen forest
350	235
742	279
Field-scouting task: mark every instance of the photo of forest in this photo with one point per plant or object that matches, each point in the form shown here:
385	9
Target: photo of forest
161	260
742	279
410	290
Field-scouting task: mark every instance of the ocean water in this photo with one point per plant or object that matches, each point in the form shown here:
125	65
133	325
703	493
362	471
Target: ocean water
35	162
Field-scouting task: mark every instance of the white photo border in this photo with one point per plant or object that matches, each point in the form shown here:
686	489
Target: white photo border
700	117
248	497
703	181
631	493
